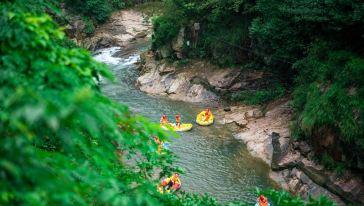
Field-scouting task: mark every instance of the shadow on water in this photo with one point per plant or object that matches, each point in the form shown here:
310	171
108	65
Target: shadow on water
215	162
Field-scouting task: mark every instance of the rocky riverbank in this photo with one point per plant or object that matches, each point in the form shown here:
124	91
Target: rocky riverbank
193	81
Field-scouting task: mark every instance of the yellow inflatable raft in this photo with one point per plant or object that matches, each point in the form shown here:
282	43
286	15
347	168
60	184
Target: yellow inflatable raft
200	119
174	188
172	126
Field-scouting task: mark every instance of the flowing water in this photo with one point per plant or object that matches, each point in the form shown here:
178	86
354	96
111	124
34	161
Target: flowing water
215	162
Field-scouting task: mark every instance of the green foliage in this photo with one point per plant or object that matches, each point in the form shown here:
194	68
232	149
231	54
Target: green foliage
150	8
118	4
164	30
329	163
224	29
260	96
97	10
63	142
89	26
329	92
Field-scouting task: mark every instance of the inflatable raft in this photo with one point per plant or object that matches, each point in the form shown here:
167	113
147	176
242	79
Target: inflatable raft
172	126
169	190
200	119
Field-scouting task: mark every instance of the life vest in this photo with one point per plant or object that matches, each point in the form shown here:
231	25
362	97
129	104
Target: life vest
166	181
207	115
176	182
178	120
263	201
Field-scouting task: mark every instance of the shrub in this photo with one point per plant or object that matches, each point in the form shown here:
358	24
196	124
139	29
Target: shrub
164	30
329	92
117	4
62	141
259	96
98	10
89	27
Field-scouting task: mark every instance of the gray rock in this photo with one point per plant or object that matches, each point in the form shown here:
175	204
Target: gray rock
295	173
141	34
294	185
105	41
254	113
241	122
305	179
304	148
235	117
277	152
285	172
165	69
295	145
303	191
179	85
227	109
223	78
177	43
165	51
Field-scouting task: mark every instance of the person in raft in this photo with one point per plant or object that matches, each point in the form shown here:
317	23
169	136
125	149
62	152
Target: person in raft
178	120
262	201
164	119
172	182
207	114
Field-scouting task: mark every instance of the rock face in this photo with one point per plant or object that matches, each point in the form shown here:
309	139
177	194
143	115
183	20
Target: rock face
122	28
198	81
257	135
177	43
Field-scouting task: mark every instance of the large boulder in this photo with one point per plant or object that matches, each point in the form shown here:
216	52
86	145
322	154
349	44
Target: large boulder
150	82
105	41
198	93
177	43
165	69
179	85
278	150
297	182
165	51
223	78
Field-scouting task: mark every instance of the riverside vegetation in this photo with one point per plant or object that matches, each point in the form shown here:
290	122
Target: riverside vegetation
62	141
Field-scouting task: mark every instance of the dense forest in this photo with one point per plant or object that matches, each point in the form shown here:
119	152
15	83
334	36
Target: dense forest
65	143
313	49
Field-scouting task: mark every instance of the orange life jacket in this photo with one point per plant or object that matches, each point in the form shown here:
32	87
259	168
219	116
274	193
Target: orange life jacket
207	115
263	201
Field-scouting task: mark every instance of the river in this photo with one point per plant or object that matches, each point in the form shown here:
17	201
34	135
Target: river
215	163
